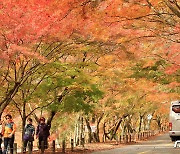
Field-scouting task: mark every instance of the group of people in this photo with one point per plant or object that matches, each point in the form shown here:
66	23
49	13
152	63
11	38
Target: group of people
8	130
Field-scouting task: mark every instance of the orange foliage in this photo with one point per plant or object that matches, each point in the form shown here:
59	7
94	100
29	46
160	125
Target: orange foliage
149	63
131	23
162	96
31	21
174	84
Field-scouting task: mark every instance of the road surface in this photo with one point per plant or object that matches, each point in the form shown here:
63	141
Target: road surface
158	145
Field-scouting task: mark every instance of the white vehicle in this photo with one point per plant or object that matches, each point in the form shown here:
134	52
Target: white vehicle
174	121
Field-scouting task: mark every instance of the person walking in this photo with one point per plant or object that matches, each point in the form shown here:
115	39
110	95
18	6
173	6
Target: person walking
8	132
42	133
28	136
1	136
0	143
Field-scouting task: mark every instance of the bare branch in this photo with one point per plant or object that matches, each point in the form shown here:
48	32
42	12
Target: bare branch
173	8
17	106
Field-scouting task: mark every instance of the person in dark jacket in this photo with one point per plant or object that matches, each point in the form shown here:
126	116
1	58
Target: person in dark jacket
29	135
42	133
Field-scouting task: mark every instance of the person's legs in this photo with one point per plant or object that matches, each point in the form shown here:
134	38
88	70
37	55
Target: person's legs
45	142
40	141
30	145
11	144
25	145
6	142
0	145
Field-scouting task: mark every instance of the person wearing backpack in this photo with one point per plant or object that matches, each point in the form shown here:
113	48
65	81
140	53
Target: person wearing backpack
8	132
42	133
28	136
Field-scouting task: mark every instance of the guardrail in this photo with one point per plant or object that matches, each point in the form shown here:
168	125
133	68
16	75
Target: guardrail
134	137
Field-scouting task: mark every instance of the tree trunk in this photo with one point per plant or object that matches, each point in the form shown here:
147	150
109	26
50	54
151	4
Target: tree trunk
89	130
75	135
23	122
117	126
105	134
159	123
53	112
140	123
4	103
23	129
97	130
81	132
51	116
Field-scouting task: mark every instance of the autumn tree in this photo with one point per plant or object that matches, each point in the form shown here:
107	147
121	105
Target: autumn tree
67	49
25	26
138	27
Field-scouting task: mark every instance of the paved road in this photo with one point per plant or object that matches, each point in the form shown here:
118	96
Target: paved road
159	145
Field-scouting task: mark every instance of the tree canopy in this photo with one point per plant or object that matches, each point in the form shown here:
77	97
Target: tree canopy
113	61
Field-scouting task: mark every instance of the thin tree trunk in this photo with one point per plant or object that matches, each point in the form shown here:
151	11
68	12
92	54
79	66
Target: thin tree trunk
105	134
159	123
23	122
97	129
51	116
75	135
140	123
89	130
81	131
23	129
117	126
4	103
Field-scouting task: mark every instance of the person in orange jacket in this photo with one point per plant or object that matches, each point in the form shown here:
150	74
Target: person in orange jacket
8	132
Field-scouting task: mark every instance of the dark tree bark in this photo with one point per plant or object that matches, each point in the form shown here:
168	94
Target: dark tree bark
140	123
97	130
8	98
117	126
89	130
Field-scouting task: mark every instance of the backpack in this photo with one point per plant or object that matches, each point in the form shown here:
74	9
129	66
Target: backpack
29	132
